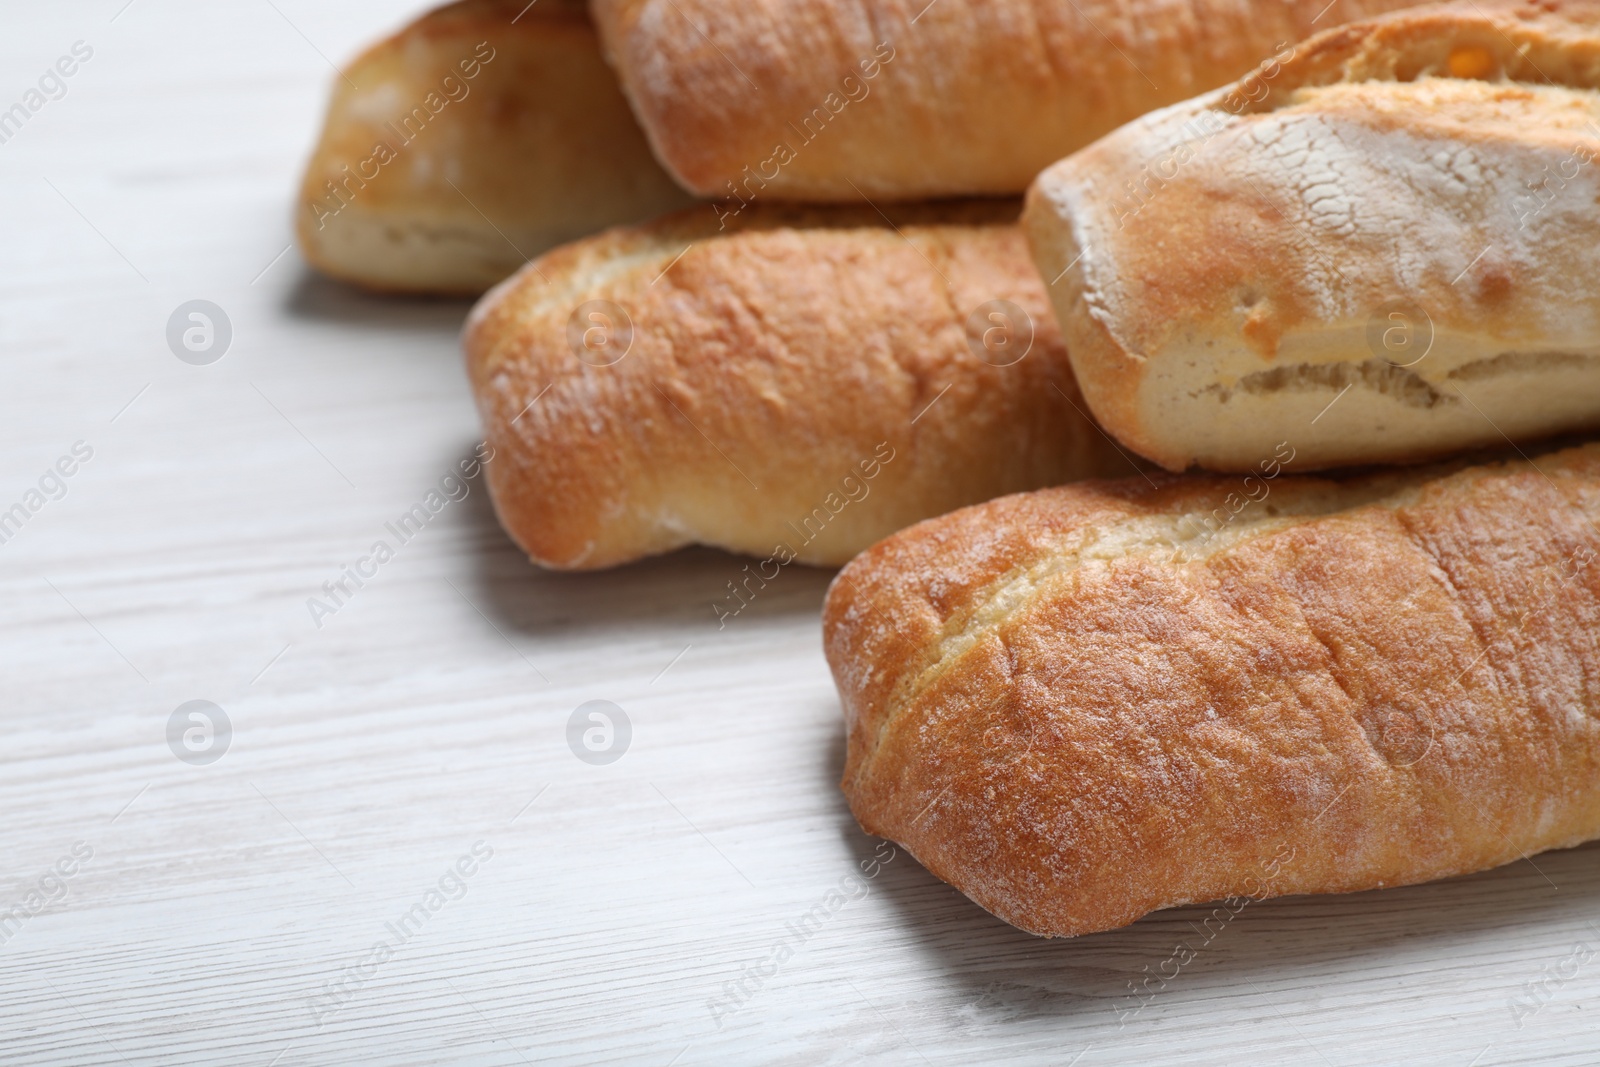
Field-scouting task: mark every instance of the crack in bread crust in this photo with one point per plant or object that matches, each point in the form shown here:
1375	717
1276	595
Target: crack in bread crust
1374	375
1392	380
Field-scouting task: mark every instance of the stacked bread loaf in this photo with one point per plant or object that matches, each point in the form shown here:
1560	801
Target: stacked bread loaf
484	133
1404	212
1282	240
796	384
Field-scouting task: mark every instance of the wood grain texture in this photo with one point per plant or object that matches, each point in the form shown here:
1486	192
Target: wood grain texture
379	748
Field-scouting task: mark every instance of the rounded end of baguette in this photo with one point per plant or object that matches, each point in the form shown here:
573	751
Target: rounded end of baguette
472	139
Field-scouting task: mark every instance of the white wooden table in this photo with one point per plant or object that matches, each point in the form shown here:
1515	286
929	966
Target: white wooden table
230	912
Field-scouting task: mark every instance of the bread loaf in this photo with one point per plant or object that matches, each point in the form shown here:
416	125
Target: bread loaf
1087	703
836	99
482	134
795	387
1382	253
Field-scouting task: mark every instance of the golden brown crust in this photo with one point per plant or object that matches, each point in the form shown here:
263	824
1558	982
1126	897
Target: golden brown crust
905	99
776	367
1078	707
533	147
1424	179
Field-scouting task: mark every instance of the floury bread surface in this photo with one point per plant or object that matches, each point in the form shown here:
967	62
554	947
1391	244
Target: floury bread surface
1084	704
481	134
903	99
794	386
1386	251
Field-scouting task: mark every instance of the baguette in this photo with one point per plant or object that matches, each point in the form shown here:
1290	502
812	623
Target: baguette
1084	704
1405	212
794	387
485	132
831	100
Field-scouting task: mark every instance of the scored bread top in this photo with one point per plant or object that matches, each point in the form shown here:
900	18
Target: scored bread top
1082	704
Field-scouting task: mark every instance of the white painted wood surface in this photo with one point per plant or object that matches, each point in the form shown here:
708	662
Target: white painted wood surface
620	902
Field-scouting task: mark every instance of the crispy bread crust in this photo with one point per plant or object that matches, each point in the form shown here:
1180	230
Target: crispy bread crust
1402	210
773	364
1078	707
539	144
901	99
